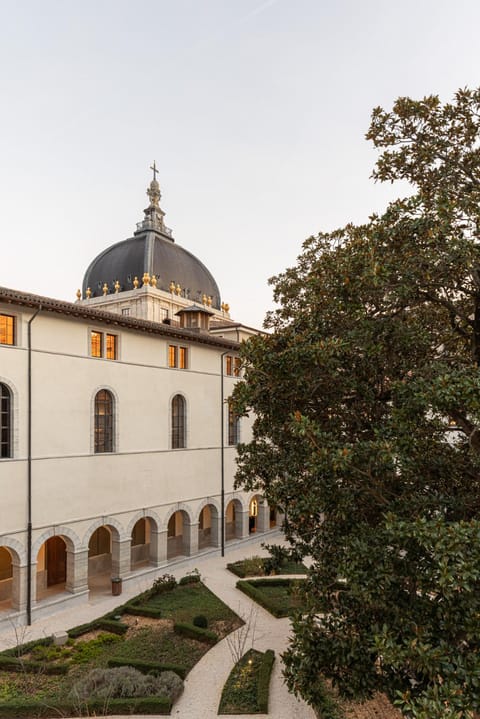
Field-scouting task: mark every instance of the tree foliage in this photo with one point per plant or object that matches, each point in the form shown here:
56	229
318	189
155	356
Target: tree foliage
367	423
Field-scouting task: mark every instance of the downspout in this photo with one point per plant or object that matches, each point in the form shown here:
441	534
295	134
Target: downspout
29	466
222	455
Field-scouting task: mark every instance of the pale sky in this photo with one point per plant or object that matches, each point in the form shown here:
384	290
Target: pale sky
254	110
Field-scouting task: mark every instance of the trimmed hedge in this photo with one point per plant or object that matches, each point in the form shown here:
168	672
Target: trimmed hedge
28	709
246	690
193	632
148	667
263	685
14	664
189	579
248	589
143	611
22	649
237	569
108	625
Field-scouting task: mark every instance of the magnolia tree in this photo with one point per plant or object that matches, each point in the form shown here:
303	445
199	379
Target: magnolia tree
366	396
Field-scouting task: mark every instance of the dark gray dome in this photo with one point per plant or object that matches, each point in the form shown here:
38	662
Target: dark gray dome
153	250
160	256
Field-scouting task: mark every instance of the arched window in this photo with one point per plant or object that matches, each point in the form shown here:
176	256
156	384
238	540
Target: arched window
103	421
233	425
179	424
5	421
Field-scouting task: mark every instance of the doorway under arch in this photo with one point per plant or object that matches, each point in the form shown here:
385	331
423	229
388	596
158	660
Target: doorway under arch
208	527
6	579
233	520
140	552
51	567
176	538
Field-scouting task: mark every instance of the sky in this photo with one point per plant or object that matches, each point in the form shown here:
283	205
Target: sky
255	112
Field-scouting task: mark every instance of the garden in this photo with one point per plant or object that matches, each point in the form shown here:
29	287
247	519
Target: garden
132	660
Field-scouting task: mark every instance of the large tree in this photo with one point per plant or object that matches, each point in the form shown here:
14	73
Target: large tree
366	396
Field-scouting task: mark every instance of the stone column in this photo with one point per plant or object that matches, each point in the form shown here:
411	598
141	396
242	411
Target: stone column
215	529
121	550
241	524
158	547
263	517
77	571
33	580
190	538
19	586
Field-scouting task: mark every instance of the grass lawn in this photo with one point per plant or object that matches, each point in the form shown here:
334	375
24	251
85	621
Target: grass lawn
279	596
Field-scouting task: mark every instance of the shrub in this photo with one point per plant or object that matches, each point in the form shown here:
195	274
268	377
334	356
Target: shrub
191	578
140	611
122	682
22	649
145	667
170	685
13	664
109	625
263	682
84	652
27	708
162	584
200	621
192	632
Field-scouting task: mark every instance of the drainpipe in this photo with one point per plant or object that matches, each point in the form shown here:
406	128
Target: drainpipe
222	454
29	465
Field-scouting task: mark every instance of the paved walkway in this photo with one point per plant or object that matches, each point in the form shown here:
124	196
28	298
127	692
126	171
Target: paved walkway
203	685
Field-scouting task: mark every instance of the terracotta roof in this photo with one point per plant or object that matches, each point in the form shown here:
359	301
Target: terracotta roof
81	312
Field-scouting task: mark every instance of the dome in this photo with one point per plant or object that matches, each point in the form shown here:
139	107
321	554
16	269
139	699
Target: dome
153	250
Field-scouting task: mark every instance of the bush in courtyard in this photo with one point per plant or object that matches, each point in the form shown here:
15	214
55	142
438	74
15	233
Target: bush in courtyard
121	682
190	578
200	621
165	583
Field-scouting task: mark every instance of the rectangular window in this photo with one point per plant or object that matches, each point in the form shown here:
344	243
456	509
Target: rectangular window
177	357
103	345
7	330
182	357
126	311
232	366
111	347
96	344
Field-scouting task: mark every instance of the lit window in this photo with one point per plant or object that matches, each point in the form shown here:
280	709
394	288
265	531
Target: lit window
103	345
7	330
96	344
182	357
5	421
232	366
233	425
179	422
177	357
111	347
103	421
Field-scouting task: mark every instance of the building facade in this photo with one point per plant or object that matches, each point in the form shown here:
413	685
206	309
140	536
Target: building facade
117	440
